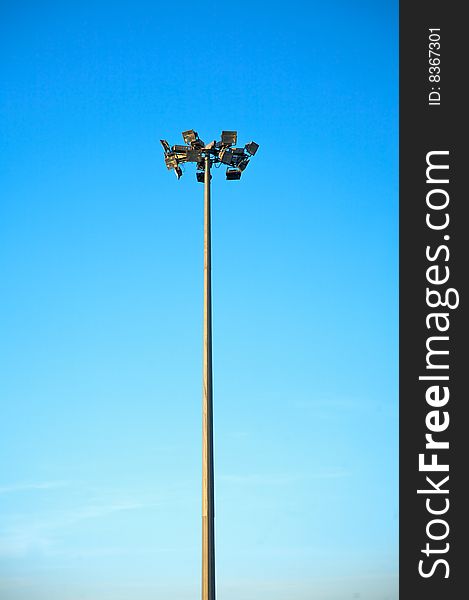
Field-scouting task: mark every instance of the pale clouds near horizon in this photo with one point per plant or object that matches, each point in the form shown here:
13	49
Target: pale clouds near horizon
368	587
38	528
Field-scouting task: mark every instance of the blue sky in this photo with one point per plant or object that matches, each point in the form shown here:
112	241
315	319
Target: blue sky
101	300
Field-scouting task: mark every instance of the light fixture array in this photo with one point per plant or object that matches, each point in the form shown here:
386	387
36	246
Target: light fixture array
222	152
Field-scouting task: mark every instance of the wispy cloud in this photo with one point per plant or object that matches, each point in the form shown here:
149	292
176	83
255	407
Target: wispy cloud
95	511
40	533
21	541
283	478
14	488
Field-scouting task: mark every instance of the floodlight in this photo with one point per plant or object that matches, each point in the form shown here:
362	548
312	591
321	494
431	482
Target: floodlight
179	148
178	172
238	155
201	176
251	148
228	138
233	174
226	156
243	164
165	145
190	136
171	162
198	143
193	155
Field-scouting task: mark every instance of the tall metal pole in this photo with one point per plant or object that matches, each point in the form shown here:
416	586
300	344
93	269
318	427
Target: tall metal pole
208	513
237	159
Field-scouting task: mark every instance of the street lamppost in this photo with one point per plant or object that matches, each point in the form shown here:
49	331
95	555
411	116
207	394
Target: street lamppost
236	159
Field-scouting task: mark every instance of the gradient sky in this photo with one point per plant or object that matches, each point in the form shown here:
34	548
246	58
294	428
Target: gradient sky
101	300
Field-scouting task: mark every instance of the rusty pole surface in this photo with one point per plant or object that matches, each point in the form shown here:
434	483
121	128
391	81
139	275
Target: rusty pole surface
208	513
